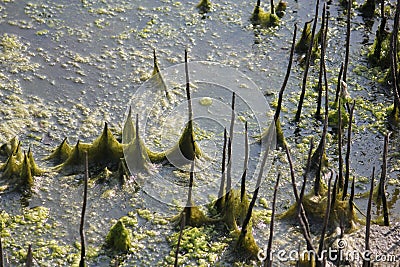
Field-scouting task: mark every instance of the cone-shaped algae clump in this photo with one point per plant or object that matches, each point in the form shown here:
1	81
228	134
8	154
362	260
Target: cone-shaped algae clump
119	238
35	170
26	179
105	149
186	149
61	153
136	153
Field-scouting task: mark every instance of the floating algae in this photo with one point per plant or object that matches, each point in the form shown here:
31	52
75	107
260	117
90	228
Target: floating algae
119	238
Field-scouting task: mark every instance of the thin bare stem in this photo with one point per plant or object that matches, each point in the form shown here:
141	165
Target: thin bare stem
334	192
347	158
246	162
179	239
254	198
308	58
367	262
321	65
326	220
339	83
287	75
351	199
229	170
382	181
268	261
340	144
188	87
323	137
29	257
348	32
272	7
221	192
300	209
1	253
393	55
306	171
230	140
81	227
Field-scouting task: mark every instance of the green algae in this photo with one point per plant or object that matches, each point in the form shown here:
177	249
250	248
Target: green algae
19	169
61	153
393	115
14	54
247	245
194	216
119	238
197	245
315	208
104	151
235	210
280	138
378	53
305	39
333	116
187	146
264	18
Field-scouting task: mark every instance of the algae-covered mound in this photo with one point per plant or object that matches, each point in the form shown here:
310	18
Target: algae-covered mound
315	208
61	153
246	244
119	238
304	42
264	18
105	151
235	210
19	169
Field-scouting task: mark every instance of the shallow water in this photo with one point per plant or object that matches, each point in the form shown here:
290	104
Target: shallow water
80	64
